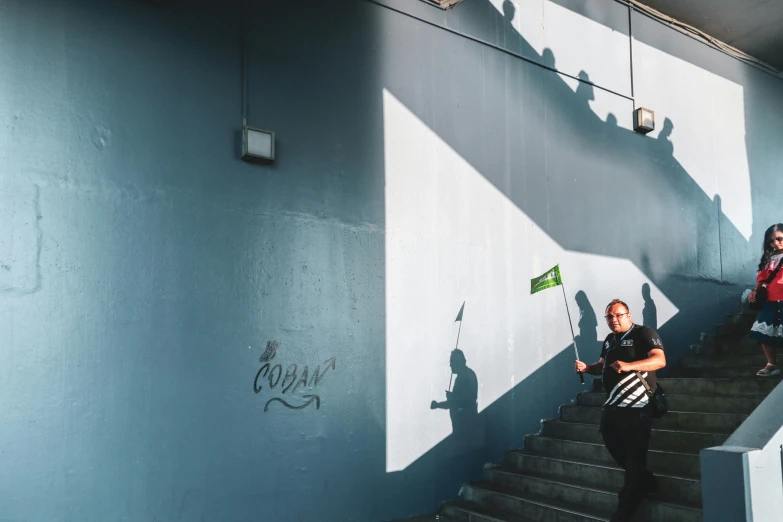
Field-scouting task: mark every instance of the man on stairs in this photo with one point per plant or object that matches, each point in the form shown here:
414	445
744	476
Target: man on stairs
626	420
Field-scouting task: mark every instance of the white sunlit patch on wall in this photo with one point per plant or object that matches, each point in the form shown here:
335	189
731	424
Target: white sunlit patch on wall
702	115
451	236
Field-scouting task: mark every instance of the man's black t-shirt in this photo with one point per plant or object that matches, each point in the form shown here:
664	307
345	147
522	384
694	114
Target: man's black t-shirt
624	389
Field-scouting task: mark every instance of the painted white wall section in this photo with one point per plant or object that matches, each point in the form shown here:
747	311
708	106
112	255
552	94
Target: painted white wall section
451	236
604	50
708	133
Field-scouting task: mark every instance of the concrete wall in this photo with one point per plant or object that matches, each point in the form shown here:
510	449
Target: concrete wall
743	479
425	159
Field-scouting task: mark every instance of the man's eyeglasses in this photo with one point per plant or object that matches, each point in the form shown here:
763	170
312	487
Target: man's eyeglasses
776	239
618	316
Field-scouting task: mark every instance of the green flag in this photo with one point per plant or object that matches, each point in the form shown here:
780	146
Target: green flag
548	280
459	315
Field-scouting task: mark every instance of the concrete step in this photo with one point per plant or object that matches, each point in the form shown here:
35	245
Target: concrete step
695	403
729	360
673	420
710	372
683	490
588	495
552	501
511	478
465	511
667	462
526	506
561	491
736	343
741	318
733	328
742	386
725	344
664	440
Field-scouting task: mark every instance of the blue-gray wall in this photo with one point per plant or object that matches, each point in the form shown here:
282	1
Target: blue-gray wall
144	268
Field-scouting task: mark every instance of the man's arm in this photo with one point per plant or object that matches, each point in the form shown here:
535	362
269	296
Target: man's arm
445	405
656	360
592	369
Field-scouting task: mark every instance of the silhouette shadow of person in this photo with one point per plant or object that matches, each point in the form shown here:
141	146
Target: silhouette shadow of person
585	90
664	138
511	40
548	58
588	326
509	11
650	311
461	402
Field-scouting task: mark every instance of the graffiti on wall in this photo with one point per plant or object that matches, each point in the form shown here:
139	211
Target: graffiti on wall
286	383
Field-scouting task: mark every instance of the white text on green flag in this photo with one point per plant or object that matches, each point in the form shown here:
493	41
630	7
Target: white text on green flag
548	280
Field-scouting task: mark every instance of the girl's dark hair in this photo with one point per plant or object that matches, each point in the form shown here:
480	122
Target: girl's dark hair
768	249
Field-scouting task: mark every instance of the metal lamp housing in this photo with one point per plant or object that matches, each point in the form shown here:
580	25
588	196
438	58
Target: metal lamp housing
258	145
643	120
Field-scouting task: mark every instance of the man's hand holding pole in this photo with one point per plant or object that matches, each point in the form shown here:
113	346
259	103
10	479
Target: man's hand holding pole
592	369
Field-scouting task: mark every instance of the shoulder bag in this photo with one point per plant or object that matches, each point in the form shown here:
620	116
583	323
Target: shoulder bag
660	405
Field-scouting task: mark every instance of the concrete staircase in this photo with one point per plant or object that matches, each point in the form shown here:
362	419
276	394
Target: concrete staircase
564	474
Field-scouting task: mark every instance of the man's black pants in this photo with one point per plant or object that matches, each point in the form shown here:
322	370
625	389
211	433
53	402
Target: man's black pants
626	433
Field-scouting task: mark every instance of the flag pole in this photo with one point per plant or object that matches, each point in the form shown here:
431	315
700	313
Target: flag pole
576	350
459	318
455	347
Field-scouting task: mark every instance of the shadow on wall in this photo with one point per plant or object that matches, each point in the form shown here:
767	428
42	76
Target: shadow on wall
587	339
461	402
607	191
460	457
650	311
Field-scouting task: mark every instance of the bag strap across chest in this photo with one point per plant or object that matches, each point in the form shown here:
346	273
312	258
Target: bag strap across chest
644	383
774	273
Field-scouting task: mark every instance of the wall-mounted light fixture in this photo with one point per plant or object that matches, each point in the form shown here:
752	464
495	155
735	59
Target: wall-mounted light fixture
643	120
258	145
